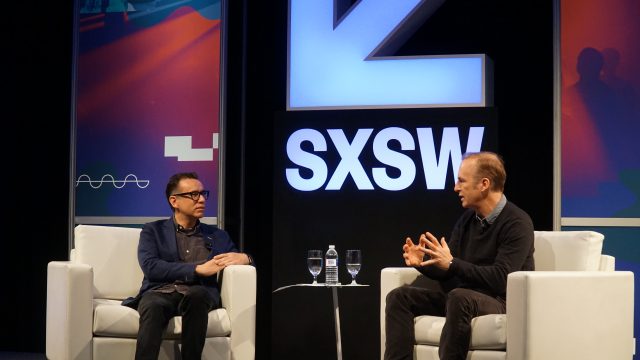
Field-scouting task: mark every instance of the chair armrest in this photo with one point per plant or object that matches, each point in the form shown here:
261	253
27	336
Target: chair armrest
570	315
607	263
238	295
391	278
69	327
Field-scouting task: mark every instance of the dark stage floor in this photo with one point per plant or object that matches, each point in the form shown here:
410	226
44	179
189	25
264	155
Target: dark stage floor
6	355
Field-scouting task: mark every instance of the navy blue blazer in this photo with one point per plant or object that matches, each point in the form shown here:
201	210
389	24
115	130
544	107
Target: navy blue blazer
160	262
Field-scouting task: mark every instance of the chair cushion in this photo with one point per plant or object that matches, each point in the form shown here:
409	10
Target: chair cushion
487	331
568	250
114	320
427	352
113	253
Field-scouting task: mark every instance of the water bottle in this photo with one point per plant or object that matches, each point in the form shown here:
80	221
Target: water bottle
331	266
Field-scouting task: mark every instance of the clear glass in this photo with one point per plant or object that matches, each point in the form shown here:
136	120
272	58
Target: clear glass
353	261
314	263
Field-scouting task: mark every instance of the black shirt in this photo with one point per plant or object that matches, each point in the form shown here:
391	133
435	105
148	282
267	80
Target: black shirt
191	249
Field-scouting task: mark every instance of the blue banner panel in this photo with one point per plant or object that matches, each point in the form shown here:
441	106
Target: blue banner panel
147	104
600	108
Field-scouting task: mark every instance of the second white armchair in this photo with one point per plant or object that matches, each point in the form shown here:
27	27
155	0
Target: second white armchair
574	306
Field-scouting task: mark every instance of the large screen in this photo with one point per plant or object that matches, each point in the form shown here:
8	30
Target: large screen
147	105
339	61
600	119
600	53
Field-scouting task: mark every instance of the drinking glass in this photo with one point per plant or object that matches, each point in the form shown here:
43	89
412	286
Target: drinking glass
353	260
314	262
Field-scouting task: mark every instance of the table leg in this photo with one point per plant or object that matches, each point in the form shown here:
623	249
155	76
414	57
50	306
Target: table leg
336	311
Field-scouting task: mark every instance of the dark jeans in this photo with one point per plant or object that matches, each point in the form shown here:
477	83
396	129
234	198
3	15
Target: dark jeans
156	309
459	306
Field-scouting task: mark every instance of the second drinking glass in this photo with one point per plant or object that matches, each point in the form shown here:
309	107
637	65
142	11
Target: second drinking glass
353	260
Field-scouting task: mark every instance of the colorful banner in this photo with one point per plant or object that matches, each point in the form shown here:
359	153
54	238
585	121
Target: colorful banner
148	103
600	59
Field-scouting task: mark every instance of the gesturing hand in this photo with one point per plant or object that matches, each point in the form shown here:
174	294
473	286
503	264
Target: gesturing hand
413	255
438	251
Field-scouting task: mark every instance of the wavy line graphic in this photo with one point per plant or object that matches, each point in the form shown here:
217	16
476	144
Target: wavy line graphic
118	184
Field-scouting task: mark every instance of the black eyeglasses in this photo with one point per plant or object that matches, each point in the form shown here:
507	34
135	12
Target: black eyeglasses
194	195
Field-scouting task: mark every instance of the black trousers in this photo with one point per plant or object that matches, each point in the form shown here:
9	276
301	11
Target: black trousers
459	306
156	309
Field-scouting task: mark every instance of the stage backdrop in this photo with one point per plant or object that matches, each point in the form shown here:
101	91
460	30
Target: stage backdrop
378	163
600	119
147	95
389	174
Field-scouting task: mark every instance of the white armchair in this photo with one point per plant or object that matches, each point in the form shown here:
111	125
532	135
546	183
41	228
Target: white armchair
86	321
574	306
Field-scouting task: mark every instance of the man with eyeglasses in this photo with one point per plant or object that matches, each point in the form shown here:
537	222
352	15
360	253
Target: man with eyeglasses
180	258
491	239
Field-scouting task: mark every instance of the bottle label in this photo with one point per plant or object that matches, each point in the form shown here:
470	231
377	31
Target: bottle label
332	262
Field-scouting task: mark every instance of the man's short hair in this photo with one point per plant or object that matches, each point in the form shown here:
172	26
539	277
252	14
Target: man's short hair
174	180
491	166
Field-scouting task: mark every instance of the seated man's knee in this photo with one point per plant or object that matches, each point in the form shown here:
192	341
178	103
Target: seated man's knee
460	297
150	302
397	296
154	308
198	295
197	292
